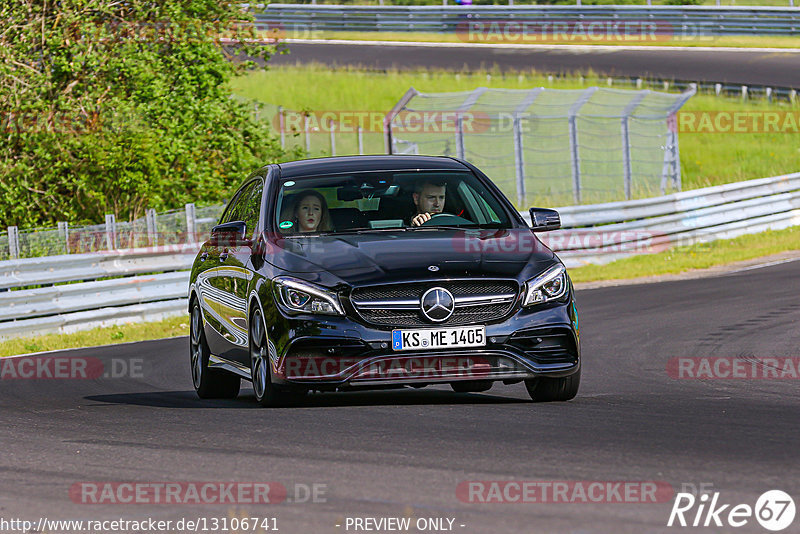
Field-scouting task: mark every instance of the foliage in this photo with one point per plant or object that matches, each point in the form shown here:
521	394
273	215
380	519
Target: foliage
115	107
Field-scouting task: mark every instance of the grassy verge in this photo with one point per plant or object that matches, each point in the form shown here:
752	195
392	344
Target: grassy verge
701	256
174	326
738	41
706	158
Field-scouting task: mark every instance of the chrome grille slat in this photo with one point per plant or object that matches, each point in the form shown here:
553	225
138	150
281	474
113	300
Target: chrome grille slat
476	301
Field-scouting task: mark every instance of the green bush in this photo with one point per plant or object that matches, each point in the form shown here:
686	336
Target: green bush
115	107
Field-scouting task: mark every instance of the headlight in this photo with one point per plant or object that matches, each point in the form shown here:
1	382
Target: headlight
550	285
303	297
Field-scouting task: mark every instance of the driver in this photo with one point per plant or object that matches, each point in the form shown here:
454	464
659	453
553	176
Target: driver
429	199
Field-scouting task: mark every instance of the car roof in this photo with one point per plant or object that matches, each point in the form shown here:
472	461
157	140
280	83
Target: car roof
345	164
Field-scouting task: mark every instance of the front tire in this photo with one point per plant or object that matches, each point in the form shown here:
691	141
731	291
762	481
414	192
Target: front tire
544	389
267	393
208	383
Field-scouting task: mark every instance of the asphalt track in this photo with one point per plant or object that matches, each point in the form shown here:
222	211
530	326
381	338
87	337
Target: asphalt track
753	67
403	453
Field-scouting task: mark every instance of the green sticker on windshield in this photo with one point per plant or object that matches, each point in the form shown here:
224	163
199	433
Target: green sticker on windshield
286	224
288	184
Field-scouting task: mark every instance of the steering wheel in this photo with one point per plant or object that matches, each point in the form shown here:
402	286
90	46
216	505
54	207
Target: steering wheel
445	219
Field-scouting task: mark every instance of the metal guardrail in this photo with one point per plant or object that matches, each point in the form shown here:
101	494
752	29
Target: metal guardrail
683	21
73	267
601	233
90	301
592	234
682	202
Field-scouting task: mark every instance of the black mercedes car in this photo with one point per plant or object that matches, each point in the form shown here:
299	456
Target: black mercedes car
377	272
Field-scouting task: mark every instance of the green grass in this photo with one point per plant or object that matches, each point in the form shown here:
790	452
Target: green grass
700	256
174	326
706	158
738	41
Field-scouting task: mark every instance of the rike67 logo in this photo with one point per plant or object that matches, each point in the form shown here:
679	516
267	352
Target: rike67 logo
774	510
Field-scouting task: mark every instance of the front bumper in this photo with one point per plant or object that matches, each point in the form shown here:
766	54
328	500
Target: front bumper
340	352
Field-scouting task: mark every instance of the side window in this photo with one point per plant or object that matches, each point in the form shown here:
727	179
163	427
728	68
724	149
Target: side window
492	215
226	215
251	207
234	210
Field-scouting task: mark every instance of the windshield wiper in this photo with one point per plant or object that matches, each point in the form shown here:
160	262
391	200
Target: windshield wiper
490	226
364	230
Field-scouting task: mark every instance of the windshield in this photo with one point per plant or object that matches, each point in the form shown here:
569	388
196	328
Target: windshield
376	201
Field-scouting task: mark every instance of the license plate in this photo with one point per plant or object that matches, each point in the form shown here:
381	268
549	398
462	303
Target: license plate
439	338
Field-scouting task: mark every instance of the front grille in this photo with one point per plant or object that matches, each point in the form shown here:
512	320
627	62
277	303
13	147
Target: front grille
416	289
462	315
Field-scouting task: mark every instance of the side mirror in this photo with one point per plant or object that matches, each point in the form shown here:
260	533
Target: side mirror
230	234
544	220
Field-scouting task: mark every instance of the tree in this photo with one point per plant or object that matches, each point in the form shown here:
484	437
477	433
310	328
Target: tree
115	107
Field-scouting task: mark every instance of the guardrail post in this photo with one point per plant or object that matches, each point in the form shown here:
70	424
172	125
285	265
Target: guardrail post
769	94
463	108
672	161
255	111
519	162
626	142
306	123
388	142
360	140
191	224
575	161
333	138
63	231
152	227
111	232
573	143
792	95
13	242
459	137
282	126
718	88
744	92
519	155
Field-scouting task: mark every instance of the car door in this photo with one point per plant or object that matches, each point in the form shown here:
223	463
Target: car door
212	286
238	270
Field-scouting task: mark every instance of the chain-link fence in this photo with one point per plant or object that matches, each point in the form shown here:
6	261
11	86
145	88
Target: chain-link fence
550	146
325	132
174	227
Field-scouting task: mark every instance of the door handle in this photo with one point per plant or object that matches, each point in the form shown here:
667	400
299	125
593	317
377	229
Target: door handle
204	256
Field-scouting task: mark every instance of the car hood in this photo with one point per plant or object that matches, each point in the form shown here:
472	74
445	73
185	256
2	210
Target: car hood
389	256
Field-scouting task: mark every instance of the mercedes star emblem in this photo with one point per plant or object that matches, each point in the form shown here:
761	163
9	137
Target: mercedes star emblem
437	304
